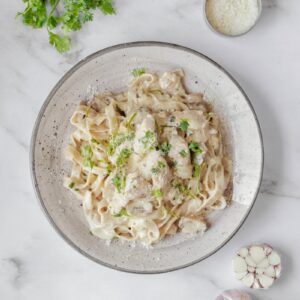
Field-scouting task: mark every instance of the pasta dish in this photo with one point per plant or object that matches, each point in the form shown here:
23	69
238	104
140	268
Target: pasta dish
148	162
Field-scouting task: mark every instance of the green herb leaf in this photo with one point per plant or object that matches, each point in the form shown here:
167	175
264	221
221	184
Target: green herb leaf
122	213
107	7
158	168
196	171
117	140
71	185
148	139
61	43
87	154
72	14
117	182
137	72
161	165
123	157
165	148
183	153
184	124
35	13
95	141
52	22
157	193
194	147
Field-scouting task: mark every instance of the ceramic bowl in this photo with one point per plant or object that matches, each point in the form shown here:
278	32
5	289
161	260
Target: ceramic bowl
215	30
109	70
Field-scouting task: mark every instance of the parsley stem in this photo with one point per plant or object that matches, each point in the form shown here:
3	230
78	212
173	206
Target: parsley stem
51	12
53	8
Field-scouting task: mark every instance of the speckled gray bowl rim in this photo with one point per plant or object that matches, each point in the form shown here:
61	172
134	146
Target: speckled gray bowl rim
48	100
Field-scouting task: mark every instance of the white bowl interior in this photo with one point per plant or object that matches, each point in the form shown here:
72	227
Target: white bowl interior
109	70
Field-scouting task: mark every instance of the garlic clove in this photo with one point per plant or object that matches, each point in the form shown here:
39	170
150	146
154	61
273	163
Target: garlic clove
274	258
257	254
264	263
270	271
240	276
265	281
248	280
250	262
239	265
243	252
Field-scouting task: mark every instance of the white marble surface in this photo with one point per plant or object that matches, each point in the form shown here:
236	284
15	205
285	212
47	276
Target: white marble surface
35	263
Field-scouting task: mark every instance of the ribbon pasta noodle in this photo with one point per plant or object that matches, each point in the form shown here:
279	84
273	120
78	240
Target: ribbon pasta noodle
149	162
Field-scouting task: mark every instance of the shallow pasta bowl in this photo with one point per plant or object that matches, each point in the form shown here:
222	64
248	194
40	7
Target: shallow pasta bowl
109	70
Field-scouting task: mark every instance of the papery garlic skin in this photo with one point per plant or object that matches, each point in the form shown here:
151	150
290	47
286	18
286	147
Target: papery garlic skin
233	295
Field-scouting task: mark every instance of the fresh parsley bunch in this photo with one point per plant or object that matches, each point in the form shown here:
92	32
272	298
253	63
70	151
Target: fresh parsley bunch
68	15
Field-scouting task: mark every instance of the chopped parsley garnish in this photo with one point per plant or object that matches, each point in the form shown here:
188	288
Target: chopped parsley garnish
183	153
119	182
161	165
183	189
122	213
194	147
87	154
118	139
165	148
155	170
94	141
184	124
129	122
158	168
148	139
196	171
108	166
157	193
138	72
71	185
123	157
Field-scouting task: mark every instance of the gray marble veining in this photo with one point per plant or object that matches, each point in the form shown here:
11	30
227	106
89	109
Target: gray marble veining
35	263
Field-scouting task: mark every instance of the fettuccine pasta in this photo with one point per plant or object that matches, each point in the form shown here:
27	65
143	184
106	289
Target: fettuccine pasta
148	162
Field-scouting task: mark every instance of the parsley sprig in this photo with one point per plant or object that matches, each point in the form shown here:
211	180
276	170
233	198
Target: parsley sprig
69	16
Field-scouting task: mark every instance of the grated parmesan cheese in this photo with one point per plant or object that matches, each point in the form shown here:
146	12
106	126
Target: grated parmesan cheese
232	17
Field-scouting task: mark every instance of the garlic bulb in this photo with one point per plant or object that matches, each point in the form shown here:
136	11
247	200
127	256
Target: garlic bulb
257	266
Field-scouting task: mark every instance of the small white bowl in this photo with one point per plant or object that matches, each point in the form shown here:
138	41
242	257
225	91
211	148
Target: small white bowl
259	3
